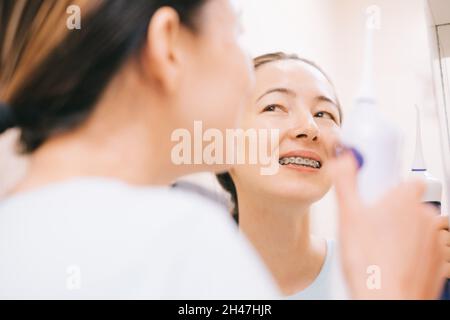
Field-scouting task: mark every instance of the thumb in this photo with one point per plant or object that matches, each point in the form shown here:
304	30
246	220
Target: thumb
344	172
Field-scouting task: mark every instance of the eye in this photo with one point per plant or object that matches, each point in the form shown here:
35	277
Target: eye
272	108
324	114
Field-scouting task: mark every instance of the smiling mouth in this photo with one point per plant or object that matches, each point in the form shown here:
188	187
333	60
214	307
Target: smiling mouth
301	161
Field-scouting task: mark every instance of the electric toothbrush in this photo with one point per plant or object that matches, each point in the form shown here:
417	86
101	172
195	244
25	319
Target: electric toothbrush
374	140
433	193
376	145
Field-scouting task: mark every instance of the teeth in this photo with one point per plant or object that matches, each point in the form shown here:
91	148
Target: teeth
301	161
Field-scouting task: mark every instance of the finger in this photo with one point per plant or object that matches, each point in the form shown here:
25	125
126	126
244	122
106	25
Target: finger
336	145
444	235
430	268
439	273
344	173
443	222
412	190
433	271
446	240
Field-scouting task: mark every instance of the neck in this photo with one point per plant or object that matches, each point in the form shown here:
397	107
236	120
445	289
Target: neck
281	234
82	155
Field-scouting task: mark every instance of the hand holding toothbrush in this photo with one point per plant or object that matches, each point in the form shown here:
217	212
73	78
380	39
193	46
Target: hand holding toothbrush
397	235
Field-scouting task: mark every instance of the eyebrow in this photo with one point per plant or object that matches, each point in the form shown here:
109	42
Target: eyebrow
326	99
334	103
280	90
290	92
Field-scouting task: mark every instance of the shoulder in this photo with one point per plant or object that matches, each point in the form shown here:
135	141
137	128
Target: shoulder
217	261
189	245
113	208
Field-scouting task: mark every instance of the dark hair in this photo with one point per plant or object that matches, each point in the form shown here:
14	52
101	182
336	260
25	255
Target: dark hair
58	92
225	179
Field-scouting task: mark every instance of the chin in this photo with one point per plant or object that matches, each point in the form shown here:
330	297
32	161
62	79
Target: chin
307	197
299	192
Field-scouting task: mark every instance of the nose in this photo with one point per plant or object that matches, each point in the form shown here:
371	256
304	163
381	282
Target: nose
306	128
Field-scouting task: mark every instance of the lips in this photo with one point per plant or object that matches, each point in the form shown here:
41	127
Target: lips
305	159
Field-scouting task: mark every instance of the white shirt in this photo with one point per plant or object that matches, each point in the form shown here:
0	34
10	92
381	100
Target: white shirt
330	283
102	239
321	288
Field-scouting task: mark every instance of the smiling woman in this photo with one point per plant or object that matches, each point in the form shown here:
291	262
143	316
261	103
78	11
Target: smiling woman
296	97
283	64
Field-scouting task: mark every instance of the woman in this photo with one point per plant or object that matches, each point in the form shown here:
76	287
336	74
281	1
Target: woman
293	95
96	108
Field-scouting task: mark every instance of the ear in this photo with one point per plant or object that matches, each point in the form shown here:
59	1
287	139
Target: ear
163	50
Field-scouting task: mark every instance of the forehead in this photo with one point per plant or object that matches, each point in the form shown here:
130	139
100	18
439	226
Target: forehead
295	75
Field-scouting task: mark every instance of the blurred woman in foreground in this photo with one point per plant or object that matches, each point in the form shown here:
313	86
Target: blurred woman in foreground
97	107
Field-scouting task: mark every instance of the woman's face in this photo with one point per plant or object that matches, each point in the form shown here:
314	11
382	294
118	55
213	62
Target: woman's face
297	99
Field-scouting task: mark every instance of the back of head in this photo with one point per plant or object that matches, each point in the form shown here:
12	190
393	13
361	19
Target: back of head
50	75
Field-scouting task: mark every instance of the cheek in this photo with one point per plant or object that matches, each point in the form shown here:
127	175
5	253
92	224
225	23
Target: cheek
238	66
234	86
330	137
216	90
240	78
326	177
